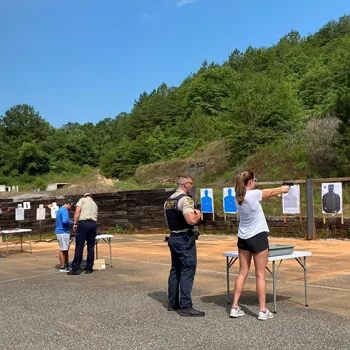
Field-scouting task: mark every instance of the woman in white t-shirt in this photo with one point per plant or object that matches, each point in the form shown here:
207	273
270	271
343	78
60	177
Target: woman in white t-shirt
252	239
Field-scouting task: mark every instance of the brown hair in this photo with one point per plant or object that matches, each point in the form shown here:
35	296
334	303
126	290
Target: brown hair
181	179
242	180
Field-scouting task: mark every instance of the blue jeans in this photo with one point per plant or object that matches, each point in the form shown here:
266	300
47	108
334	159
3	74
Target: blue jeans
87	231
182	272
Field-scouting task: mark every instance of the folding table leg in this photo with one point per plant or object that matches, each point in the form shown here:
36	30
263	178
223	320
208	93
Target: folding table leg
303	265
7	245
96	247
110	252
228	280
305	281
30	243
274	286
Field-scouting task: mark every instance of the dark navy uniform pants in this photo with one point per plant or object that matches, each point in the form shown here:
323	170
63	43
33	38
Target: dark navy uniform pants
86	233
183	269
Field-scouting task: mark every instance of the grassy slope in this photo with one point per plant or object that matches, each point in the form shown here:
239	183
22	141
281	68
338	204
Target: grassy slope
272	163
210	166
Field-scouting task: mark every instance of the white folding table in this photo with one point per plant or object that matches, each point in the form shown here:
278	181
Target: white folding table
104	237
20	232
299	256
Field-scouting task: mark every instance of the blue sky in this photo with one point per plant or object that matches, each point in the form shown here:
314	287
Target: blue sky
85	60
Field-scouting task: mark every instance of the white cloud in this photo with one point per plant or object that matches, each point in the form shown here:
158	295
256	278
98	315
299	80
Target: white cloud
184	2
146	16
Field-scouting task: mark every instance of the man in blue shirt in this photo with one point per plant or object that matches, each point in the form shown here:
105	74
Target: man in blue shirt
62	230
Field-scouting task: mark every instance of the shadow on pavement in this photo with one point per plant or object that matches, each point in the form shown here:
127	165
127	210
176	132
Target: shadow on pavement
160	296
248	298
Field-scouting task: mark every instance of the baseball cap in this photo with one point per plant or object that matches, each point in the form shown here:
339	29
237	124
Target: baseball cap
87	194
70	201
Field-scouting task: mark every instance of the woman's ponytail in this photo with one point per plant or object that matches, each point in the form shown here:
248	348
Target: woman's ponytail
242	180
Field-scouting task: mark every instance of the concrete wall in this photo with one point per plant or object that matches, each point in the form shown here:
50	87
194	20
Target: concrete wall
143	210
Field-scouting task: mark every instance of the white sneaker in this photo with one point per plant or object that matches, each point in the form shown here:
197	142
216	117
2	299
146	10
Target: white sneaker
64	269
236	312
263	316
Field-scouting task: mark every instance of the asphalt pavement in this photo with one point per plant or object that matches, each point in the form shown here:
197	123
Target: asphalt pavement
124	306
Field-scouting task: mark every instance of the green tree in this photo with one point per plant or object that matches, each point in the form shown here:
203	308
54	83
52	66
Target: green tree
32	160
264	111
21	124
342	112
210	89
235	59
117	162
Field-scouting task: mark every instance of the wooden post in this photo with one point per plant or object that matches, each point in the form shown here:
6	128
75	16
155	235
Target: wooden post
41	230
310	209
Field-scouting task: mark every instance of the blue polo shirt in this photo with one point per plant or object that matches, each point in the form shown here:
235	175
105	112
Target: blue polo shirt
63	221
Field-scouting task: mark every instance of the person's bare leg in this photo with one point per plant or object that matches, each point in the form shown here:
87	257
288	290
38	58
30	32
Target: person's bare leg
61	257
66	261
260	262
245	258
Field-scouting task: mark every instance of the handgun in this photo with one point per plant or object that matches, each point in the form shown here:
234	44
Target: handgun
287	183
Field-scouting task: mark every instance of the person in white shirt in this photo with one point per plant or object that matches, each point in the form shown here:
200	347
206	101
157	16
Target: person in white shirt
252	239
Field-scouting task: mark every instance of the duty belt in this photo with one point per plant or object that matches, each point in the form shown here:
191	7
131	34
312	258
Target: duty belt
182	232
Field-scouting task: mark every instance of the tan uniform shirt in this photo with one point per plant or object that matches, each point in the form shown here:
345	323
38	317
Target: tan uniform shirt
185	204
88	210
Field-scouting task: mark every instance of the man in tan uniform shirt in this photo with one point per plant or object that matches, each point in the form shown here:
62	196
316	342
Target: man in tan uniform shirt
181	218
85	225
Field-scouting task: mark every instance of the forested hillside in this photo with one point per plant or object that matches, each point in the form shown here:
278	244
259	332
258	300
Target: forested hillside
293	97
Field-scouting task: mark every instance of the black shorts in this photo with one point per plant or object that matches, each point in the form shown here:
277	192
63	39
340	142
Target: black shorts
255	244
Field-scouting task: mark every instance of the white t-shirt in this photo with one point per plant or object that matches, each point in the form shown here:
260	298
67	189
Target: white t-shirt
251	215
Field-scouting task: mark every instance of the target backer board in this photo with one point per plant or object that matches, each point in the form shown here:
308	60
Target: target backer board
19	214
54	209
332	198
291	200
41	212
229	203
207	202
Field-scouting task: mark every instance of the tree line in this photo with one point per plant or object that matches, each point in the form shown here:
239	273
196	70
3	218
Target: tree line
295	93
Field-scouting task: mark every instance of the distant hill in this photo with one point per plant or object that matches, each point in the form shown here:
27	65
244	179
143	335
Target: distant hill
284	108
205	164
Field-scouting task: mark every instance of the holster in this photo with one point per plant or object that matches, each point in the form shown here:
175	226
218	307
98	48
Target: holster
194	234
